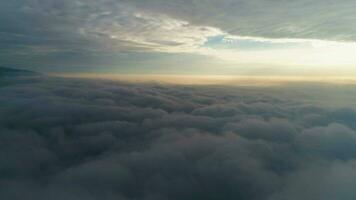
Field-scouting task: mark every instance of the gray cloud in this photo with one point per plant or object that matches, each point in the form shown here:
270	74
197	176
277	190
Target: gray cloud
263	18
97	139
40	32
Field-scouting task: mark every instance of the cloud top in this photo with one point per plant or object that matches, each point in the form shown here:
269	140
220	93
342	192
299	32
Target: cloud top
64	138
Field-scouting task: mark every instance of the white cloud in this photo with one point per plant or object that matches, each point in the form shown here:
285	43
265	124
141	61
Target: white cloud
152	31
52	29
149	31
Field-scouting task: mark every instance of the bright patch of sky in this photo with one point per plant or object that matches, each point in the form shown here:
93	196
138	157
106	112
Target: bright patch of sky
228	42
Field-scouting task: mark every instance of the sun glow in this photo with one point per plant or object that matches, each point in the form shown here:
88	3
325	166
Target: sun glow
292	52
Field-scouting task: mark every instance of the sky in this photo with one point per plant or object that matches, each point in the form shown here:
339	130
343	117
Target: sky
177	99
212	37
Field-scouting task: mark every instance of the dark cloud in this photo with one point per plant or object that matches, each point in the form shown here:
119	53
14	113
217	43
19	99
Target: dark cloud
98	139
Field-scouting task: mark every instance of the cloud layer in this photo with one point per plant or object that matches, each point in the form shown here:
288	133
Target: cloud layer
105	32
96	139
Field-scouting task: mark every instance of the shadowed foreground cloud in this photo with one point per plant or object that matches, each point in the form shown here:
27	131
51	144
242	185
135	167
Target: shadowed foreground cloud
77	139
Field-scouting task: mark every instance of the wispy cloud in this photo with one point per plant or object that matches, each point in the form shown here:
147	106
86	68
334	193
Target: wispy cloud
259	32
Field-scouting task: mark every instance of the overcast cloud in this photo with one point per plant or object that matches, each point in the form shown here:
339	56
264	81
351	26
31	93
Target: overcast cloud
95	139
53	33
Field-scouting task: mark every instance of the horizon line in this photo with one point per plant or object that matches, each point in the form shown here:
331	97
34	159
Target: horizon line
187	79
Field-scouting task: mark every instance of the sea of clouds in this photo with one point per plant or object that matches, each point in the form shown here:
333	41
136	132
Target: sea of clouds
81	139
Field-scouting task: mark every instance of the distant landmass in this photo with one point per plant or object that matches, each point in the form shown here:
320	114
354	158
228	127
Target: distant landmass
6	71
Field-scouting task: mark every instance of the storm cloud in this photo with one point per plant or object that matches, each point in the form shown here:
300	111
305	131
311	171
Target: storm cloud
67	138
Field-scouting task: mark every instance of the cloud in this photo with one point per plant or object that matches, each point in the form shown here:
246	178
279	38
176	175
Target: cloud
334	141
326	181
267	19
274	130
111	33
67	138
97	26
